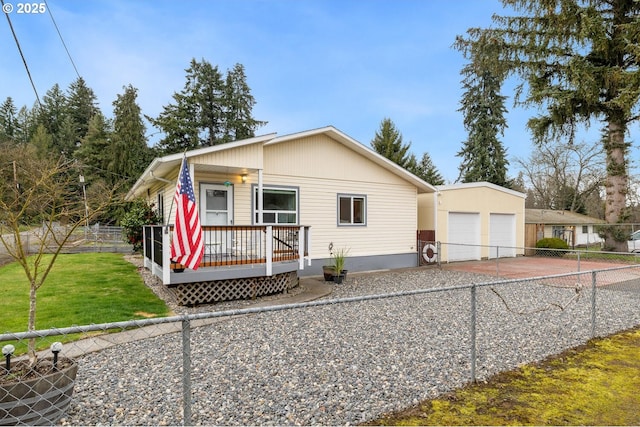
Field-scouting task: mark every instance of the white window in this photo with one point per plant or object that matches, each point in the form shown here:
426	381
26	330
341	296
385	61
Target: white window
352	209
160	206
280	205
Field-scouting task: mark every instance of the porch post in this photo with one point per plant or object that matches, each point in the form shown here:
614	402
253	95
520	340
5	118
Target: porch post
166	255
260	197
269	250
301	244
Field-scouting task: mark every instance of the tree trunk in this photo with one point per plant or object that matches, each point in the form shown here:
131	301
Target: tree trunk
32	323
616	185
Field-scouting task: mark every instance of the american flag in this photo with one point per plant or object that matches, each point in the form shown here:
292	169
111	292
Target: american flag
187	245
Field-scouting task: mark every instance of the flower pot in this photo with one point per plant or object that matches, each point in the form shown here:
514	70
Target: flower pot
328	272
38	401
338	278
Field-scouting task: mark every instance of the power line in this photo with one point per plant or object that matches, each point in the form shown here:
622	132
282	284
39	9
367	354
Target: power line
61	39
24	61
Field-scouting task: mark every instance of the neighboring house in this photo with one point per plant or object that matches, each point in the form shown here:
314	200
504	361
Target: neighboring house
270	207
474	220
574	228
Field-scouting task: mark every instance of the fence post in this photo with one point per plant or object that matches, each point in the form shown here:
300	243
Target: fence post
186	371
497	261
473	333
578	261
593	304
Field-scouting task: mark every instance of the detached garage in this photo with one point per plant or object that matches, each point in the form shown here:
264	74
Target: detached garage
474	220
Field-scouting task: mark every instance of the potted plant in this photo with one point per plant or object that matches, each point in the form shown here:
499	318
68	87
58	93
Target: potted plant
36	395
339	259
44	190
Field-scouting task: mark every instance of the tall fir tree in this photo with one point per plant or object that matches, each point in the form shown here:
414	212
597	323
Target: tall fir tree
239	103
8	120
82	105
53	114
483	155
426	170
388	143
94	152
209	110
130	153
579	62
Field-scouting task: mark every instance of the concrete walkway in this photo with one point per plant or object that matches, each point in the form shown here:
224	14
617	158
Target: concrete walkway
314	288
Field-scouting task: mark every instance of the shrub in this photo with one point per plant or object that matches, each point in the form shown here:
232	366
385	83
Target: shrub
551	243
139	214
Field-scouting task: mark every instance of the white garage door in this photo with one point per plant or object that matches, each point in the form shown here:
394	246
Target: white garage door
464	236
502	235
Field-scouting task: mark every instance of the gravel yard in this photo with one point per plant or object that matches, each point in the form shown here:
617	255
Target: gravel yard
343	363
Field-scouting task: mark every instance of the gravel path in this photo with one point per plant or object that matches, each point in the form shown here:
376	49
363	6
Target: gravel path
343	363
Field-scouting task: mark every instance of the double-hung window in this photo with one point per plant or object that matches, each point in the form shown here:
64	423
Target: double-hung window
280	205
352	209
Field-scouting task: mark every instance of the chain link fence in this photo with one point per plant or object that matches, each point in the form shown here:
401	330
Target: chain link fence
380	342
93	238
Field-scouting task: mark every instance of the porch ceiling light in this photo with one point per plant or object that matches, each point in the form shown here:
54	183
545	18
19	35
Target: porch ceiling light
244	178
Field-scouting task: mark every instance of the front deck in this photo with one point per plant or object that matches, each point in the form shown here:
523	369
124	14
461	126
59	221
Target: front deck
240	261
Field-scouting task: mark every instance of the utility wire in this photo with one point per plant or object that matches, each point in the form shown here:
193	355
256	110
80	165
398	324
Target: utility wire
24	61
61	39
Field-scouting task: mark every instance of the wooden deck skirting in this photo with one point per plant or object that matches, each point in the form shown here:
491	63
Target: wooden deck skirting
233	289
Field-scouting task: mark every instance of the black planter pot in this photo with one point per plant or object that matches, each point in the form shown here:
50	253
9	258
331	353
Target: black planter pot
38	401
338	278
328	272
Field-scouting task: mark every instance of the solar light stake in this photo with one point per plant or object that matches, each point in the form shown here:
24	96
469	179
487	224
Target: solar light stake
56	348
7	351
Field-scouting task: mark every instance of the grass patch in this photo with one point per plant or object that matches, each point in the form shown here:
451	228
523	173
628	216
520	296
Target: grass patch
81	289
595	384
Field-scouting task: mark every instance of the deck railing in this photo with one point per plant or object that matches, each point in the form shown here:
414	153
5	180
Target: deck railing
230	245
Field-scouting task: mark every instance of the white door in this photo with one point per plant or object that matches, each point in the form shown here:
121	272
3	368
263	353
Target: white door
216	208
502	235
463	236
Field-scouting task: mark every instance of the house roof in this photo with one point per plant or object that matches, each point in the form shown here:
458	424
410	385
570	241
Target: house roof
162	166
480	185
551	217
363	150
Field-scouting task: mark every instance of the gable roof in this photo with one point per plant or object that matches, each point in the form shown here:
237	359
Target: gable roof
480	184
363	150
161	166
551	217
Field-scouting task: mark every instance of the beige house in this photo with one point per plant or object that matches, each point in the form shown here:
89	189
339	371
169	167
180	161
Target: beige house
272	205
574	228
474	220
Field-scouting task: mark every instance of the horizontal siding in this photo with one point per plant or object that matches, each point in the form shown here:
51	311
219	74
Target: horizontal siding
249	156
391	215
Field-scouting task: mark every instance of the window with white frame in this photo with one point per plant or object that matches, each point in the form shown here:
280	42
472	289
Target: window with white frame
160	206
352	209
280	205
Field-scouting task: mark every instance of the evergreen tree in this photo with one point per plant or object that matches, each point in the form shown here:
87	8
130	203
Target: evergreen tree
130	154
239	103
209	110
483	155
53	115
388	143
579	61
94	152
8	120
26	125
82	106
426	170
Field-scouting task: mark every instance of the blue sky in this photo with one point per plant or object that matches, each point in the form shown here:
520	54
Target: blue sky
309	63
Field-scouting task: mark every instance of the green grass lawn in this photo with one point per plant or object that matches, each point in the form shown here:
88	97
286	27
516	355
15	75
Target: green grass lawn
81	289
596	384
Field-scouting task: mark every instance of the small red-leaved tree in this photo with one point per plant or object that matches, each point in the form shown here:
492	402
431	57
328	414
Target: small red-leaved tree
41	206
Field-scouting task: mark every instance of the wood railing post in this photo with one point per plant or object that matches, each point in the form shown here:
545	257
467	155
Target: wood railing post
166	255
269	250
